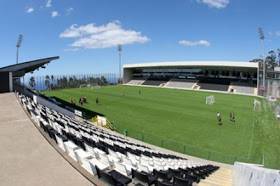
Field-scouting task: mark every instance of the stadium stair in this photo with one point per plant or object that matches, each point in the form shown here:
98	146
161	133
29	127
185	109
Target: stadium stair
135	82
222	177
181	83
154	82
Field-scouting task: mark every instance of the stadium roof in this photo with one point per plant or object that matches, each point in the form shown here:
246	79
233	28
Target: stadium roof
237	64
28	66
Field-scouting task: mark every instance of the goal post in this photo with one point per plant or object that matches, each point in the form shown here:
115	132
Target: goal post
210	100
257	105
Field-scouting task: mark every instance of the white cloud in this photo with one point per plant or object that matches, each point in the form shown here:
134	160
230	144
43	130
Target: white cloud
274	34
215	3
69	10
54	14
49	3
188	43
71	49
103	36
29	10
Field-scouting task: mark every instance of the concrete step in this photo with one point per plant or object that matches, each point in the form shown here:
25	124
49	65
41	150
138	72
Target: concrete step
222	177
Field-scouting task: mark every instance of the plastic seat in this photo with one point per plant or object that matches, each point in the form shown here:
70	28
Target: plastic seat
144	177
181	182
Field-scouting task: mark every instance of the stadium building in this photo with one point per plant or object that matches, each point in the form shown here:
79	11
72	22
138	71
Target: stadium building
225	76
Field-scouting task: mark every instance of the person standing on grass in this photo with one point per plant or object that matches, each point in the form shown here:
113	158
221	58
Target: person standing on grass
85	99
233	117
219	118
97	101
80	101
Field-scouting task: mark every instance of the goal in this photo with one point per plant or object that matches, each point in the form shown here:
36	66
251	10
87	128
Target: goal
257	105
210	100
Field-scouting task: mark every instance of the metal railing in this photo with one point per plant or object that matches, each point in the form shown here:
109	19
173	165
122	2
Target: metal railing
185	148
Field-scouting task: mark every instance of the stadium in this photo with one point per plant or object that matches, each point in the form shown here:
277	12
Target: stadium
159	127
139	93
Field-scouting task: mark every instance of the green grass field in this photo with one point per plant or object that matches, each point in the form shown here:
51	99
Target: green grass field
180	120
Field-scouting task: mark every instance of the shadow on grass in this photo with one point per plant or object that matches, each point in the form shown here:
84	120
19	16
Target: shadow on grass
87	114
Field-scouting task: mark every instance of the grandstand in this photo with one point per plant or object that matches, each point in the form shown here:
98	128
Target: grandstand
111	157
222	76
61	148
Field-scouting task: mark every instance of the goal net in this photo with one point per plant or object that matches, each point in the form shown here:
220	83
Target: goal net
210	100
257	105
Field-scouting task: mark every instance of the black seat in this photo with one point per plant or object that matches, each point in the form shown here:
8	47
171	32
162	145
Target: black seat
105	176
162	183
52	133
175	172
119	178
143	177
163	175
63	137
113	177
181	182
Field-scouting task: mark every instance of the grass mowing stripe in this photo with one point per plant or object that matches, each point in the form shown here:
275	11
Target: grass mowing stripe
182	121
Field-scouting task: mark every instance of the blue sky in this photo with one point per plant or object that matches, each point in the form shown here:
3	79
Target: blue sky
85	33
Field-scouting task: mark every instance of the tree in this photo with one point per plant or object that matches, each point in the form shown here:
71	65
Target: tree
278	57
47	82
52	82
103	80
32	82
271	60
62	82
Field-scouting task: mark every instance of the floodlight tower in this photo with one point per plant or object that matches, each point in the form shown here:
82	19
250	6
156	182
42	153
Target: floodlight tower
19	41
120	61
261	36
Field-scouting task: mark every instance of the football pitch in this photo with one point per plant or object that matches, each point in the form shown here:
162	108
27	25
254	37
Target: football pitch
181	121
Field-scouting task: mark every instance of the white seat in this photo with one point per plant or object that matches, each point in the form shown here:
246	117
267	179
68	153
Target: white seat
60	143
89	149
98	152
128	164
70	148
95	162
82	155
36	119
113	156
143	168
84	158
122	169
147	164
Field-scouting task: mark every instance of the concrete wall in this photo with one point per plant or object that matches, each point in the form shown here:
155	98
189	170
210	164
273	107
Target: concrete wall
273	88
245	174
127	75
